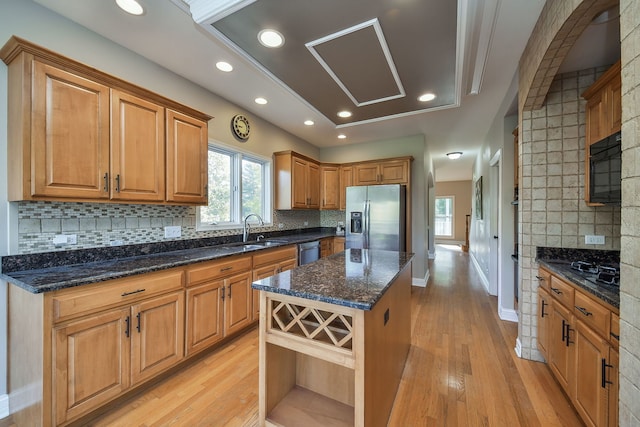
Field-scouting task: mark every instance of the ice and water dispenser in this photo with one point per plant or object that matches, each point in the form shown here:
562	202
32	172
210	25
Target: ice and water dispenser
356	222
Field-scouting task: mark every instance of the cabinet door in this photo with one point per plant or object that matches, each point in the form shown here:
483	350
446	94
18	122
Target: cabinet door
326	247
313	185
596	118
366	174
544	314
260	273
299	183
70	135
560	347
338	244
186	159
346	180
287	265
395	172
614	101
90	362
330	187
157	337
237	304
137	148
591	373
205	311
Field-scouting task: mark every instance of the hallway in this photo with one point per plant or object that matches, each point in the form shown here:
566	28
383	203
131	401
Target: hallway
461	370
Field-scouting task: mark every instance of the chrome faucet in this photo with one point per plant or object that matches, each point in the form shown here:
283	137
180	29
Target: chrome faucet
246	228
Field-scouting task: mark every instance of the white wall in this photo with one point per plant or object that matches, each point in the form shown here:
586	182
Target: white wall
409	146
4	237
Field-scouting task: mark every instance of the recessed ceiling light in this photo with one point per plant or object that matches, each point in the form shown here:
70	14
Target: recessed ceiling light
454	155
224	66
309	122
426	97
130	6
342	136
260	100
344	114
270	38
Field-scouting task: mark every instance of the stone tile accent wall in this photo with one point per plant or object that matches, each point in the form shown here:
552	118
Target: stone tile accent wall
99	224
552	209
630	251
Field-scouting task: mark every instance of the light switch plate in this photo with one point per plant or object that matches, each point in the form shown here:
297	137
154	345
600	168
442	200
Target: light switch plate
172	231
591	239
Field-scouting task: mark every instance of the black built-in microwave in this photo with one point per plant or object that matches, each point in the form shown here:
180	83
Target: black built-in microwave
605	167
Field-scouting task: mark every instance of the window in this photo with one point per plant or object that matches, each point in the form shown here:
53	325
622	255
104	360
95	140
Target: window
239	184
444	216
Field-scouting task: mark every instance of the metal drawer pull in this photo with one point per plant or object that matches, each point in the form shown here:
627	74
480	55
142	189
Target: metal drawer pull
616	336
556	291
226	268
583	311
540	278
137	291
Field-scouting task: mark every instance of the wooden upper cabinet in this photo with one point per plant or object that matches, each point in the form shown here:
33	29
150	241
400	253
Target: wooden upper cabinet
330	186
297	181
346	180
137	148
187	147
75	133
382	172
603	115
69	136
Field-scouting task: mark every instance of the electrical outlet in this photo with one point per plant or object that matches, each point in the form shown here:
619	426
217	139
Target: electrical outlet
590	239
172	231
306	223
116	243
280	225
72	239
65	239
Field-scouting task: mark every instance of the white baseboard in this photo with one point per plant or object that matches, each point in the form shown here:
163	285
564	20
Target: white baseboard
4	406
422	283
508	314
518	348
483	277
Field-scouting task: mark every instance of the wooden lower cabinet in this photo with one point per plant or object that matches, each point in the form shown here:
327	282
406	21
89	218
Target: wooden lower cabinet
544	319
338	244
561	344
98	357
205	316
237	302
326	247
590	387
580	343
91	362
268	263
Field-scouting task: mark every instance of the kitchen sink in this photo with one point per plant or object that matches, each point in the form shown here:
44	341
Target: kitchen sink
262	244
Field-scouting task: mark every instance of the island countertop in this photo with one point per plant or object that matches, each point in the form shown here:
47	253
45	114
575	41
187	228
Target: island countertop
355	278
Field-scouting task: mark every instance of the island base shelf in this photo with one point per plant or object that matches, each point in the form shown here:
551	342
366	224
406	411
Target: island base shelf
302	407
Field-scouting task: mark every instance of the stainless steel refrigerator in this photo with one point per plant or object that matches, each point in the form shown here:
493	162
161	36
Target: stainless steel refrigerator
376	217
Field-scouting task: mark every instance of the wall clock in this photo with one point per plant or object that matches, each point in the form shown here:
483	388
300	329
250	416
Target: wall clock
240	127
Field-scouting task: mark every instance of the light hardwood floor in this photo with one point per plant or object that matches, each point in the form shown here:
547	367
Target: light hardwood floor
461	370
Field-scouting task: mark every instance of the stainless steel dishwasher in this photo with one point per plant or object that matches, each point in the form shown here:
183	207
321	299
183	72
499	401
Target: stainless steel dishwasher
308	252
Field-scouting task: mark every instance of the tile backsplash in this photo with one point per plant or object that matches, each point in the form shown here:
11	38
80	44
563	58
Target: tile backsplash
99	224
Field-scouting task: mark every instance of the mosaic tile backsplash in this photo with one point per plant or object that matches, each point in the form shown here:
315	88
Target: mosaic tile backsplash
98	225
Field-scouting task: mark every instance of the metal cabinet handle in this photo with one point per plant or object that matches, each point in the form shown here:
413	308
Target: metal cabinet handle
118	183
127	329
229	291
137	291
616	336
540	278
138	327
568	330
226	268
222	295
106	182
604	367
556	291
542	314
563	330
583	310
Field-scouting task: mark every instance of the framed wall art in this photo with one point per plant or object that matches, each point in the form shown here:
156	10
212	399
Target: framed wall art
478	198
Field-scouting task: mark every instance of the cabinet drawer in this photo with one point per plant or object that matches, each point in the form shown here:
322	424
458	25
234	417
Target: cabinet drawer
562	291
272	256
216	269
593	314
544	278
614	335
89	298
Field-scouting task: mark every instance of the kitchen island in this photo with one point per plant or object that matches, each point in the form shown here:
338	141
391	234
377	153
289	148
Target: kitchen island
334	337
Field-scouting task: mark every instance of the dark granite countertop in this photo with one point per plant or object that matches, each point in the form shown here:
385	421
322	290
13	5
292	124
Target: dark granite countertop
607	293
355	278
54	277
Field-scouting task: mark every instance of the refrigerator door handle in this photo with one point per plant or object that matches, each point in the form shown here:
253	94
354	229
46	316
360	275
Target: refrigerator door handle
367	223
